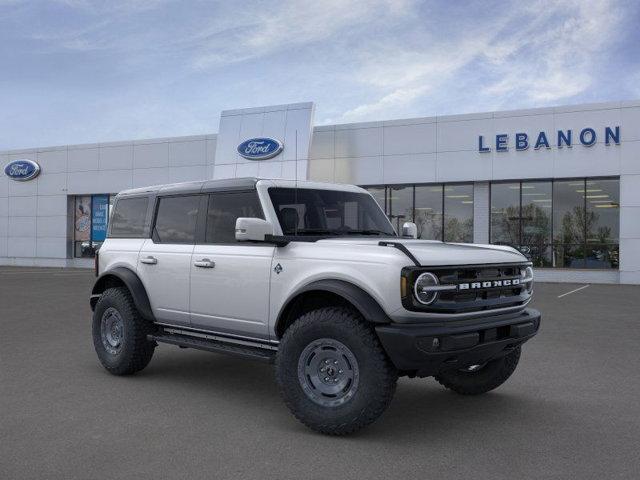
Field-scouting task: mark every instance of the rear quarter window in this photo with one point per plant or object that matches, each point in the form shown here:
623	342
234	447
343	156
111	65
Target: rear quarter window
128	218
177	219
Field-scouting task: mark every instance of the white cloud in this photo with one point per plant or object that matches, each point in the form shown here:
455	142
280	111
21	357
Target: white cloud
544	52
287	25
398	98
555	63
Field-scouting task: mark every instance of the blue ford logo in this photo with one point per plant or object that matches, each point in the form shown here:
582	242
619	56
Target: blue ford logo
260	148
22	170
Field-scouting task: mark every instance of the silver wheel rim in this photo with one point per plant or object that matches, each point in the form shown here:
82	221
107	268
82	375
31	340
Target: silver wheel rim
328	372
111	330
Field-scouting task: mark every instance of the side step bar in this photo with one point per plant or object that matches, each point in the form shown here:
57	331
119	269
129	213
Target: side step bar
255	353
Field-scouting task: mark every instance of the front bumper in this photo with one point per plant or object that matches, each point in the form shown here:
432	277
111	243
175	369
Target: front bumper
426	350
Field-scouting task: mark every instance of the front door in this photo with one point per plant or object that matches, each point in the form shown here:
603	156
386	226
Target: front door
229	279
164	263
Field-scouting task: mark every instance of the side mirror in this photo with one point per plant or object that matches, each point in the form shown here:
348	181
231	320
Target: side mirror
252	229
409	229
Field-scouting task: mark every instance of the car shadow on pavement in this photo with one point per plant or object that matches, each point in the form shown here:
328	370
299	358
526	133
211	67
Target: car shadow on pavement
420	407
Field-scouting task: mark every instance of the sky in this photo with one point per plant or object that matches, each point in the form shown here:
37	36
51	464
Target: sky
80	71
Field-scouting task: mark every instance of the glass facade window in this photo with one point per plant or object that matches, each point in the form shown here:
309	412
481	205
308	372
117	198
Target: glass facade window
400	201
458	213
90	222
603	223
568	223
562	223
441	212
536	207
505	214
428	211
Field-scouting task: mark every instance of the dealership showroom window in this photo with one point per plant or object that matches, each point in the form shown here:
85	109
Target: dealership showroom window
561	223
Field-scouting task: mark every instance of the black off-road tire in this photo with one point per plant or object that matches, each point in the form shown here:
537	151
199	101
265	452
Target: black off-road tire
135	351
483	380
376	377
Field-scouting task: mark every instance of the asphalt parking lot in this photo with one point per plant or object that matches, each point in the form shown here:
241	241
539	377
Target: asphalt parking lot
571	410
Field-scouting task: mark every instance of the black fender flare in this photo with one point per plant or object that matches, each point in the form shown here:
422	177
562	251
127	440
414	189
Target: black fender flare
368	307
132	282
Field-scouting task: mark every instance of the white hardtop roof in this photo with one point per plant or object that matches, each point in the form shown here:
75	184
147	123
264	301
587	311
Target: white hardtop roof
238	184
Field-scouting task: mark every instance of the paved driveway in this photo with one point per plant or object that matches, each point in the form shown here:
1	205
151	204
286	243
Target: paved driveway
571	410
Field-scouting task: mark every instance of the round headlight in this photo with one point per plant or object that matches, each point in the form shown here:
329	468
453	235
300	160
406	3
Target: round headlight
526	275
421	288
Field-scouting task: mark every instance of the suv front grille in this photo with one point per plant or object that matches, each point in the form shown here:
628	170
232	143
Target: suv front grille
477	288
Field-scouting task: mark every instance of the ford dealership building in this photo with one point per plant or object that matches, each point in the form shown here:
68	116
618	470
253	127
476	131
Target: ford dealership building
560	184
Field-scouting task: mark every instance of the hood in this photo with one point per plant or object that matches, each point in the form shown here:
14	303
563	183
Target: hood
434	253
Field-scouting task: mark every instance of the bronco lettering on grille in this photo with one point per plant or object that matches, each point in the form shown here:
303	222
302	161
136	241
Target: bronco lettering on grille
509	282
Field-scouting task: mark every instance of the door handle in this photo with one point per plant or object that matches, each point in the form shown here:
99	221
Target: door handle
149	260
204	263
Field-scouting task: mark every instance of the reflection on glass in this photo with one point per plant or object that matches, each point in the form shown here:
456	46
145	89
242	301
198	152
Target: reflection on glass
536	222
378	194
458	213
568	256
400	206
505	214
428	212
603	211
569	223
568	212
602	256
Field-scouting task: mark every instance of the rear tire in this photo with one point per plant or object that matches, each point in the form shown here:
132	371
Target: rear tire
333	373
120	333
484	379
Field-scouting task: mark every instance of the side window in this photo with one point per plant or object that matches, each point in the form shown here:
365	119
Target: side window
128	217
176	219
224	209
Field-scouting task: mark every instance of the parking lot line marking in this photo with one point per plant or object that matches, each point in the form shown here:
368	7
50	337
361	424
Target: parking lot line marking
573	291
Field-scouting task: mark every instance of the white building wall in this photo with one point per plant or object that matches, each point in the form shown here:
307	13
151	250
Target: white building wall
290	124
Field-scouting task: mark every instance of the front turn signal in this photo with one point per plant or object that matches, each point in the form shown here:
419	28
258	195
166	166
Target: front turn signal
403	286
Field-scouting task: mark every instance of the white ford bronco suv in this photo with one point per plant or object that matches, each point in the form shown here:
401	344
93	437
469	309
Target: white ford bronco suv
313	277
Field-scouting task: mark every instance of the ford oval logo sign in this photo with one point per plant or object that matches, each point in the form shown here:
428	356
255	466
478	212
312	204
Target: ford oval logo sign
22	170
260	148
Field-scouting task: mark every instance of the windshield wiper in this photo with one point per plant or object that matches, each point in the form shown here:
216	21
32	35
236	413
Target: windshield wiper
322	231
312	231
367	232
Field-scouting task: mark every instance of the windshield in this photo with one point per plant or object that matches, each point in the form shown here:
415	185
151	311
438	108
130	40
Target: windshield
328	212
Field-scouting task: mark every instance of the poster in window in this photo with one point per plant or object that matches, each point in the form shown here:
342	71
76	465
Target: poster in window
82	229
99	213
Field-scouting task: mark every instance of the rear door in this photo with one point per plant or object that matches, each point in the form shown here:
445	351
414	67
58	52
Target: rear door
164	263
230	279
